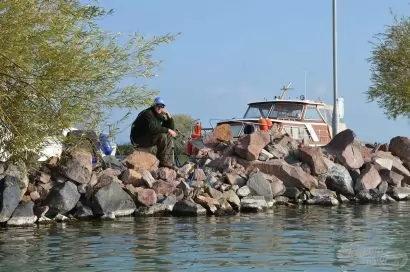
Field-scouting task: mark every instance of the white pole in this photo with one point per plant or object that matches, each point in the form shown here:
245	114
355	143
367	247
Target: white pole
335	125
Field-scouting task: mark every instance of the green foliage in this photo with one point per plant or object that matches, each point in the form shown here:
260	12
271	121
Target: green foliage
390	67
59	69
124	150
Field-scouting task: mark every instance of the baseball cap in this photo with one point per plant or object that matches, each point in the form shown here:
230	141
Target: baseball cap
159	102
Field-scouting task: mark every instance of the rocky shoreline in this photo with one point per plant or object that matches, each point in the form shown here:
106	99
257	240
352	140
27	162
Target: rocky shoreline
225	177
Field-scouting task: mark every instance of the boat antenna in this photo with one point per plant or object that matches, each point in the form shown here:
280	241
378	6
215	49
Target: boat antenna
284	89
305	83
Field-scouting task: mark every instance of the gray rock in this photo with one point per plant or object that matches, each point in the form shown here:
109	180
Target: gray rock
224	187
108	216
260	186
40	211
225	209
82	188
281	200
186	169
212	209
277	151
9	196
383	163
323	193
44	220
23	215
265	155
383	186
387	199
339	180
233	199
169	202
277	188
158	209
243	191
112	199
292	193
188	208
323	200
197	183
18	170
82	211
61	218
62	198
399	193
76	165
113	163
147	178
253	204
368	179
364	196
214	193
342	198
235	179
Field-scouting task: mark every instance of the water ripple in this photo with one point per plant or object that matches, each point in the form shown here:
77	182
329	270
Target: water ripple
346	238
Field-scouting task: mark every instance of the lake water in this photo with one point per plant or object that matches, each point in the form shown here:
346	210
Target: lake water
304	238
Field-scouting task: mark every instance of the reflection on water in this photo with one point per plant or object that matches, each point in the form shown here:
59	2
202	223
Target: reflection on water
305	238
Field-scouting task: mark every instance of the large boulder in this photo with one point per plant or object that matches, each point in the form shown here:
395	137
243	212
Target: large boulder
260	186
397	164
82	211
18	170
62	198
253	204
157	209
147	197
249	146
235	179
400	147
232	199
140	160
347	149
339	180
187	207
76	164
23	215
9	196
223	163
162	187
369	179
313	156
223	133
167	174
399	193
291	175
130	176
112	199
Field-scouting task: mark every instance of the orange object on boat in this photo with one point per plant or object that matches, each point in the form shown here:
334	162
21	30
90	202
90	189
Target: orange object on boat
197	131
263	126
269	123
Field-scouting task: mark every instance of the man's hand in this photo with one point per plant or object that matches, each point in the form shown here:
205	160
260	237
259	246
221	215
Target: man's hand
167	114
172	132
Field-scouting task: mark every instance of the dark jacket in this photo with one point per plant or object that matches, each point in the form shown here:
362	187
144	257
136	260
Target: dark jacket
149	122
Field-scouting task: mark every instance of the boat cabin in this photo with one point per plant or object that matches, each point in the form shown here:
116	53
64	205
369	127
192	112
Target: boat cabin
306	120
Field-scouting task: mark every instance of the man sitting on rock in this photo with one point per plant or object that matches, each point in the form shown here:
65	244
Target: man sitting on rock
154	126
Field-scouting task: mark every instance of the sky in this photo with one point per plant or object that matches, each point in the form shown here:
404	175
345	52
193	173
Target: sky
233	52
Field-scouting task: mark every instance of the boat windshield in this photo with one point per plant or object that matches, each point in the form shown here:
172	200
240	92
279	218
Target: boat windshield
258	110
287	110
